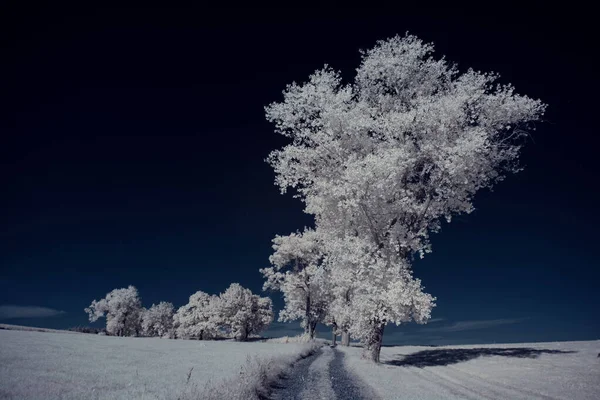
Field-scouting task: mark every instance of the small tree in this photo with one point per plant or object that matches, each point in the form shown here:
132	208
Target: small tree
158	320
296	272
199	318
122	308
242	313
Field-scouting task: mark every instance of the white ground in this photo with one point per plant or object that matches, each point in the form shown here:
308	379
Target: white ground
461	372
48	365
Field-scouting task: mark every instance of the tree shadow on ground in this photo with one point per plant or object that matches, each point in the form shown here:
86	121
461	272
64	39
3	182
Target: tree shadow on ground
441	357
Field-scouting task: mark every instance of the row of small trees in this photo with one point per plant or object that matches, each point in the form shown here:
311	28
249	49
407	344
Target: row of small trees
379	163
236	313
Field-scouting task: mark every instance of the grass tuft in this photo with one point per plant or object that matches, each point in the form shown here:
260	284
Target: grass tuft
256	380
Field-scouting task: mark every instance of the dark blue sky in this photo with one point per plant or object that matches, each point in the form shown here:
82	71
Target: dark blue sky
133	147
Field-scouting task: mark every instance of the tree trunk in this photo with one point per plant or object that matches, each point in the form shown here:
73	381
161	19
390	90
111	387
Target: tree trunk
333	336
308	327
244	335
122	331
372	347
345	338
312	328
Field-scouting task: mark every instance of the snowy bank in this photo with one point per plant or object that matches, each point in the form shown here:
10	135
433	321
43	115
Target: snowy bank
11	327
257	377
561	370
36	365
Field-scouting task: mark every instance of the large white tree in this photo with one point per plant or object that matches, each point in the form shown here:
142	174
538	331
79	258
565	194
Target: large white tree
122	309
407	143
199	318
158	320
296	272
242	313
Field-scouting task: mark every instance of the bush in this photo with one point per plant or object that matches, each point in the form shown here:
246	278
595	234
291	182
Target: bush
85	329
303	338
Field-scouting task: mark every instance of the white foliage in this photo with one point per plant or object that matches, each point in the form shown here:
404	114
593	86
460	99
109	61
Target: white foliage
158	320
199	319
296	272
344	259
369	290
122	308
242	313
409	142
305	297
387	295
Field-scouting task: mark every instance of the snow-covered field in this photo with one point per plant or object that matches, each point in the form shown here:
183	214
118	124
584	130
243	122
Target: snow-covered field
47	365
50	365
562	370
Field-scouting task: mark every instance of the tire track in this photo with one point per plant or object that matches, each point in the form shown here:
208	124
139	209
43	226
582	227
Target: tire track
347	385
292	385
322	376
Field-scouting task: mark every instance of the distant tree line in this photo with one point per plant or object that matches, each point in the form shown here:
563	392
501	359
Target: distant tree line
236	313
